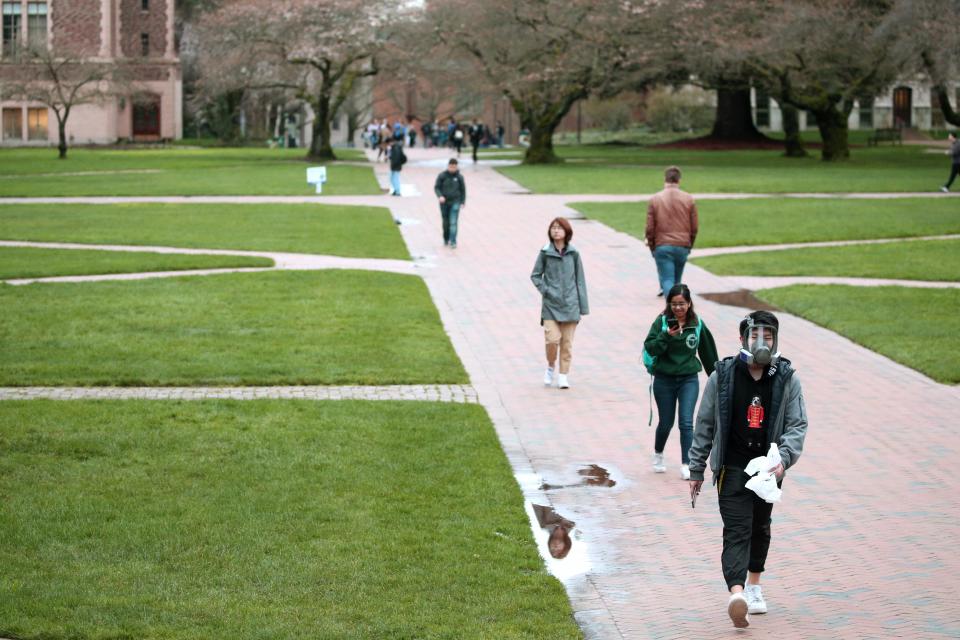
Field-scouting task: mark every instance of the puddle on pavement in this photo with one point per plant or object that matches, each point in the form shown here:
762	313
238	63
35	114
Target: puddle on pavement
559	542
739	298
593	476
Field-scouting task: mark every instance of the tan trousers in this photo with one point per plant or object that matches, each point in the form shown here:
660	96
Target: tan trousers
559	337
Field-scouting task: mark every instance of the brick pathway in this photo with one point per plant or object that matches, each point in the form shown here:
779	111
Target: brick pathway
866	542
430	393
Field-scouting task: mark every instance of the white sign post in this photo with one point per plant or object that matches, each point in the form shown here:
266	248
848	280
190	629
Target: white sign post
317	176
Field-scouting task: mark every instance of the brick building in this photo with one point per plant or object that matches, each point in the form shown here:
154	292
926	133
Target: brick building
137	34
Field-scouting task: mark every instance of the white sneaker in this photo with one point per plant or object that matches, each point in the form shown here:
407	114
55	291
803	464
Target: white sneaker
755	601
658	466
562	381
944	189
737	609
548	376
684	472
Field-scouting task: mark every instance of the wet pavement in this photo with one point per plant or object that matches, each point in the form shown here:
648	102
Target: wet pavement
866	543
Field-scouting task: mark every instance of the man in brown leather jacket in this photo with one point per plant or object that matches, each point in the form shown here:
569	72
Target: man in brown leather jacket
671	229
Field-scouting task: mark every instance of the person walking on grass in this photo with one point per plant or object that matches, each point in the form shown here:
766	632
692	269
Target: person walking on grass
751	400
451	192
397	159
671	229
558	276
954	153
676	338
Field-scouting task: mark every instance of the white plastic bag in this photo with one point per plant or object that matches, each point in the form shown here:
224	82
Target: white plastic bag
764	483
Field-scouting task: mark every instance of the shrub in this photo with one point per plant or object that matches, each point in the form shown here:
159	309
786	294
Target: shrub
679	110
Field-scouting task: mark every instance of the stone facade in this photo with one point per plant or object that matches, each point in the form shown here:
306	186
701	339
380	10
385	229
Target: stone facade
137	34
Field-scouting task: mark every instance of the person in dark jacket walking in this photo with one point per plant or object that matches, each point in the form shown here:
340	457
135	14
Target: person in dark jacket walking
558	276
954	153
676	338
476	136
451	191
751	401
397	160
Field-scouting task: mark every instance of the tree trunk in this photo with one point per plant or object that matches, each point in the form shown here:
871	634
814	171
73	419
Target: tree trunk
734	118
62	145
320	148
943	98
793	146
833	133
540	150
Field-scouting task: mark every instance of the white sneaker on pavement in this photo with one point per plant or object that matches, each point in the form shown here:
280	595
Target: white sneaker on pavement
755	601
684	472
737	609
562	381
658	465
548	376
944	189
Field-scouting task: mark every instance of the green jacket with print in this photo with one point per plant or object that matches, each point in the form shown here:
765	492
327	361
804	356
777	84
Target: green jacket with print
677	355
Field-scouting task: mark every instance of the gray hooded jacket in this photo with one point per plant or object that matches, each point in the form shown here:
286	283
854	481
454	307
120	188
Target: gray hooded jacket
788	429
559	279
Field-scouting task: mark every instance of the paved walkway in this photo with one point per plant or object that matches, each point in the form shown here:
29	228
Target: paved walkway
866	541
431	393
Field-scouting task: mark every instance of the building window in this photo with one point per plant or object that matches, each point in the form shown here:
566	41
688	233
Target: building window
145	44
37	25
13	124
866	112
37	124
145	5
763	109
11	29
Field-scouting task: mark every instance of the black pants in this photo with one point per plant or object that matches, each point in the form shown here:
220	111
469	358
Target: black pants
746	527
954	170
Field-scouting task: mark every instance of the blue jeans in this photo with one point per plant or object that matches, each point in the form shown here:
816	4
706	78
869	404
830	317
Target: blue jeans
670	262
395	181
669	391
450	212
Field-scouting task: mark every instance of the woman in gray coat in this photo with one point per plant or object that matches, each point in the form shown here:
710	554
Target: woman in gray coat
558	276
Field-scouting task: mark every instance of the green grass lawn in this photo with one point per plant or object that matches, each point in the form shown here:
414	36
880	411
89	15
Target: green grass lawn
878	318
363	232
172	171
290	327
23	262
920	260
265	519
788	220
628	169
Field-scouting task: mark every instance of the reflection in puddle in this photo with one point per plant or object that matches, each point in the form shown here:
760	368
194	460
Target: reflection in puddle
593	475
558	542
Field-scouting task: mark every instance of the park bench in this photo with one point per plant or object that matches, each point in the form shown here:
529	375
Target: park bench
885	135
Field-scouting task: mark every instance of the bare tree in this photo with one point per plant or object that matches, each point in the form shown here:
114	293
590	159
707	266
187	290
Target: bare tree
316	49
61	83
933	46
545	55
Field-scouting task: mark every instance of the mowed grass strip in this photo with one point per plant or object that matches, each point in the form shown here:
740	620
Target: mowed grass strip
272	328
636	169
265	519
352	231
733	223
919	328
173	171
29	262
937	260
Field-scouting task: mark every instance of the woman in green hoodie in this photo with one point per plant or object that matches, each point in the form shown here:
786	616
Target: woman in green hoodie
677	337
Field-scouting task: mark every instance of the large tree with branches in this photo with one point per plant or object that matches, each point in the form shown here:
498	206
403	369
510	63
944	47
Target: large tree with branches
545	55
316	49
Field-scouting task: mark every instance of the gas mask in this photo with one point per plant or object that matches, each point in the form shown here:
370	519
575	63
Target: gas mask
759	344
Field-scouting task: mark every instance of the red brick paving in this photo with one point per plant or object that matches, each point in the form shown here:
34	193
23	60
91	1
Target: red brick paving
866	541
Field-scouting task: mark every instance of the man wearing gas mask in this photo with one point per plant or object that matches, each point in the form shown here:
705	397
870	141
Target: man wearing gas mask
751	400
